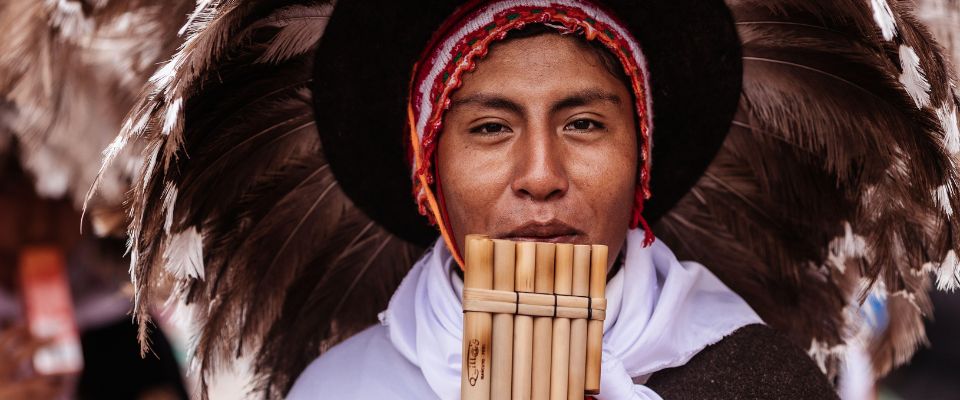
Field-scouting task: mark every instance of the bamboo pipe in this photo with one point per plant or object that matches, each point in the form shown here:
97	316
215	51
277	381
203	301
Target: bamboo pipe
598	285
477	326
466	244
504	263
578	327
523	324
543	326
560	355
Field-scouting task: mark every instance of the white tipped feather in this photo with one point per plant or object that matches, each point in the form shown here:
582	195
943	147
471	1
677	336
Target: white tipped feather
910	297
820	352
913	78
951	128
942	197
134	259
169	202
845	247
197	13
924	269
948	276
171	118
883	15
164	75
184	254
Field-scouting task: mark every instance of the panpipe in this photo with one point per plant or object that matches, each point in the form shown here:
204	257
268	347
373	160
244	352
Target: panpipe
532	319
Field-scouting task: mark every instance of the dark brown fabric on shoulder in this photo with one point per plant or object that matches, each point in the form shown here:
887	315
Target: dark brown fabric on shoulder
755	362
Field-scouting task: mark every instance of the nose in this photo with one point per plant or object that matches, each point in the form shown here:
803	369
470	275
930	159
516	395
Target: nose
539	171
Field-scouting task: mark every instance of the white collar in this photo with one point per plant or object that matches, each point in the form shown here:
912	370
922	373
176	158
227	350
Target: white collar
660	313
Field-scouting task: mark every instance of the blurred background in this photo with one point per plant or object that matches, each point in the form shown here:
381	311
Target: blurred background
70	70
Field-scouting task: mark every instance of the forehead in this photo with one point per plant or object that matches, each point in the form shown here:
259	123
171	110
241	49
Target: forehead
540	65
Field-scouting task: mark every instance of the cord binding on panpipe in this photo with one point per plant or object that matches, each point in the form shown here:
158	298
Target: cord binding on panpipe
534	304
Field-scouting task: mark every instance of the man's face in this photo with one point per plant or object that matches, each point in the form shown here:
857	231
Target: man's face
540	144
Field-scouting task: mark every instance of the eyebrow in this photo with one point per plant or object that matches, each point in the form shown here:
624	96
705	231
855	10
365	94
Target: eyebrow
577	99
489	101
585	97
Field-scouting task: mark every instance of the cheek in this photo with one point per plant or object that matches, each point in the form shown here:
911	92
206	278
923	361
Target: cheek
624	168
471	180
612	184
607	178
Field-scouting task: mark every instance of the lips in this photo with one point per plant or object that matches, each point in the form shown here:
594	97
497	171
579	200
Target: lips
553	231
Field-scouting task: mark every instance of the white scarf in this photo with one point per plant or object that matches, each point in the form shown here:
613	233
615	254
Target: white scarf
660	313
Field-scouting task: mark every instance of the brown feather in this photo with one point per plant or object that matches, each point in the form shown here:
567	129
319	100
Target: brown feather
827	136
232	151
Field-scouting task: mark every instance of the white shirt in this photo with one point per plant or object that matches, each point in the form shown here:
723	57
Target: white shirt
660	313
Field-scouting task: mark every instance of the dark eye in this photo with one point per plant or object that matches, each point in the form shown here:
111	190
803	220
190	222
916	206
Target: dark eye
489	128
583	125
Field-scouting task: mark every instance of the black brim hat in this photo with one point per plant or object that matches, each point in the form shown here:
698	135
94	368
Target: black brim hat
366	59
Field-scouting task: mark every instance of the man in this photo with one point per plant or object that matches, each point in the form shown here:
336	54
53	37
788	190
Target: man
540	143
288	251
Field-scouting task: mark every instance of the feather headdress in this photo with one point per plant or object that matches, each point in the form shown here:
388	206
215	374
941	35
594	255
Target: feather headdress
237	204
837	179
69	71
